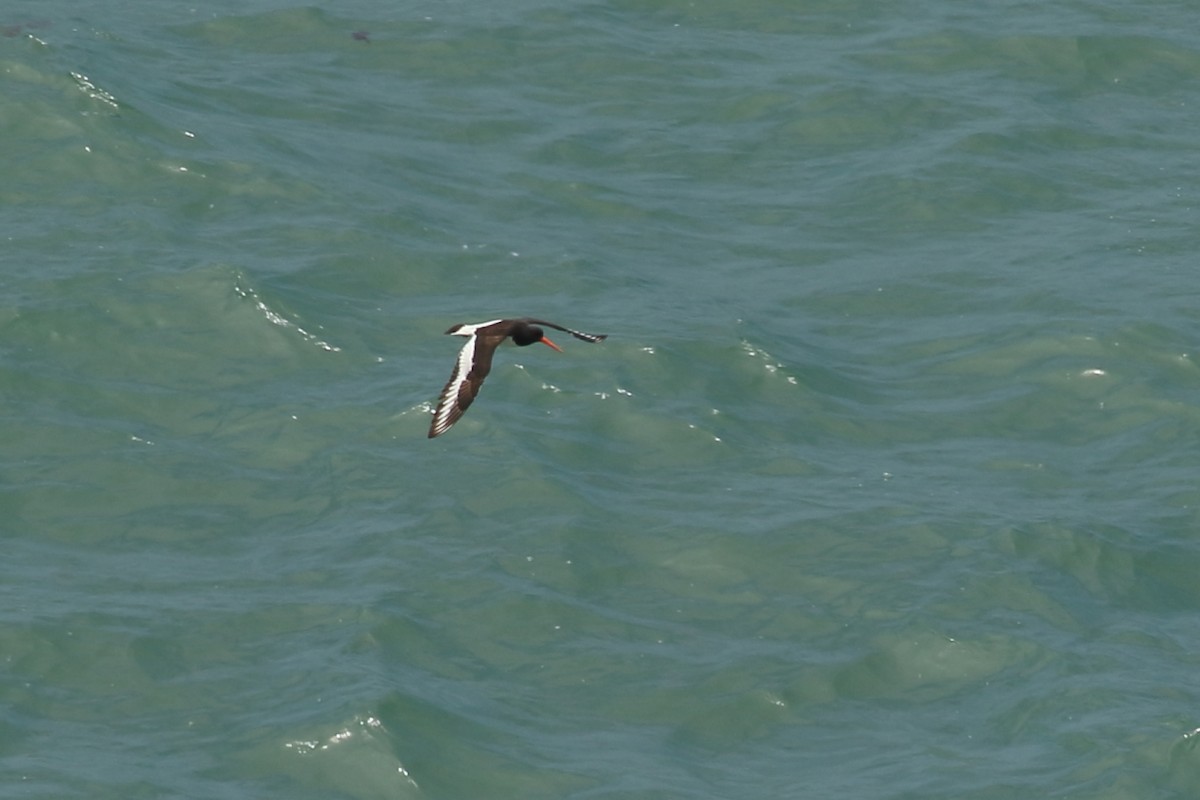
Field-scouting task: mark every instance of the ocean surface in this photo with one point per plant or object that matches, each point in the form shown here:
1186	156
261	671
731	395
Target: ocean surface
885	484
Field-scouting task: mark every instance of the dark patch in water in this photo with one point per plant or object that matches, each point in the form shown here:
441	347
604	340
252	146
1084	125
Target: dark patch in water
10	31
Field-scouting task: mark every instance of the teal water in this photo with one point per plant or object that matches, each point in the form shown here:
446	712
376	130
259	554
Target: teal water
883	486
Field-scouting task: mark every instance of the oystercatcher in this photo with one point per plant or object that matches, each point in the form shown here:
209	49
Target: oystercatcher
475	361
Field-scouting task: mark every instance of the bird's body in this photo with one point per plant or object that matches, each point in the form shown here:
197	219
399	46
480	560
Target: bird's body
475	361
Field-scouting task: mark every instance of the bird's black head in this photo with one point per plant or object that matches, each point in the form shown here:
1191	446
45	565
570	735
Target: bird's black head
524	335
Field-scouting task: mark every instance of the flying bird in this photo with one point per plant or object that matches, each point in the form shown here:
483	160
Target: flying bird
475	361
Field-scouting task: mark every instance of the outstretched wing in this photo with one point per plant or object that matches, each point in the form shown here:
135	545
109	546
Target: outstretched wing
473	364
587	337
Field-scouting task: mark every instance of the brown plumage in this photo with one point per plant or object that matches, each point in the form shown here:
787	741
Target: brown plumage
475	361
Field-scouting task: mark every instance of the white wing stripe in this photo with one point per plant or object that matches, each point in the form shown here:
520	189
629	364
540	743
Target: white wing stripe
469	330
462	368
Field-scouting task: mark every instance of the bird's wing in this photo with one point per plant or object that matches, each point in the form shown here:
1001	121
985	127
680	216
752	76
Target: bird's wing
458	394
587	337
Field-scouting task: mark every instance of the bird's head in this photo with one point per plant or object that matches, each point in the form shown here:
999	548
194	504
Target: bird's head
532	334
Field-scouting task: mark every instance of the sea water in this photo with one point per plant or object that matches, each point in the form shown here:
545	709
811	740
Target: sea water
883	485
